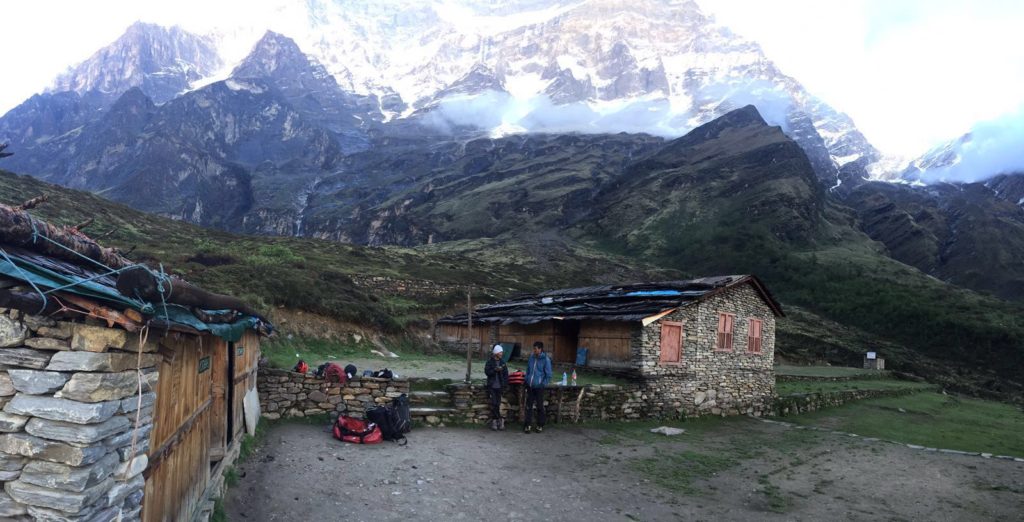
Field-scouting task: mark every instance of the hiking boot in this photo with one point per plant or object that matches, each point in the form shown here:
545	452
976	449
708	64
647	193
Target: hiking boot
540	429
526	429
501	424
494	425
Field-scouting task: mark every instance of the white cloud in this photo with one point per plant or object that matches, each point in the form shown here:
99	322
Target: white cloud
910	73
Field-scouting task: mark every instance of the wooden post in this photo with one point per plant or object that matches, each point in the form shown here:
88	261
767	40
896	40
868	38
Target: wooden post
469	341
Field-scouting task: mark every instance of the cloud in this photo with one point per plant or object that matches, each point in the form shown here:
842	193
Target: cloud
658	116
993	147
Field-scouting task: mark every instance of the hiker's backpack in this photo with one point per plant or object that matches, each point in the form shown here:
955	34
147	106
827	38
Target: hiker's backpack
400	414
384	374
356	431
384	418
516	377
350	370
319	373
301	367
335	373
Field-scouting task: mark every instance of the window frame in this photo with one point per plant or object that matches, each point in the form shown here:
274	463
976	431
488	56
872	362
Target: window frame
760	335
730	335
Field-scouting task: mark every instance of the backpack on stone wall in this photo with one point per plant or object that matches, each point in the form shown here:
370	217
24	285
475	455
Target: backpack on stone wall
319	373
301	367
335	373
356	431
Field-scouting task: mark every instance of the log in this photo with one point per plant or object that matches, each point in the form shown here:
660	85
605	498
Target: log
16	228
144	284
111	316
29	302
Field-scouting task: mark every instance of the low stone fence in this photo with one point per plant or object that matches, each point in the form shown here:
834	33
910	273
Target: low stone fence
470	403
807	402
843	378
285	393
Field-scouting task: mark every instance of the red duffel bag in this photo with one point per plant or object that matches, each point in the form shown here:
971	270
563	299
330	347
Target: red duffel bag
357	431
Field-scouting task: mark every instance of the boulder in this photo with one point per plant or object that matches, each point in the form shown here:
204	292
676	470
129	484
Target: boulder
61	409
77	433
37	382
99	387
97	338
69	478
24	357
98	362
47	343
57	499
12	333
41	449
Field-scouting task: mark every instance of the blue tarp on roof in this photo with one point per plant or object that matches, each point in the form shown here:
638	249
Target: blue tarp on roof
49	275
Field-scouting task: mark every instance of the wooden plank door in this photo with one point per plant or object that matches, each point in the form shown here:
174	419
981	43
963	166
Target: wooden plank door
179	460
671	342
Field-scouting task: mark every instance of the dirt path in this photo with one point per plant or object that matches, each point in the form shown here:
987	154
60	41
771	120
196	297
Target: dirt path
739	469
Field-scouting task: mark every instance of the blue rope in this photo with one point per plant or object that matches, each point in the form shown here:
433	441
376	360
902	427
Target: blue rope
26	277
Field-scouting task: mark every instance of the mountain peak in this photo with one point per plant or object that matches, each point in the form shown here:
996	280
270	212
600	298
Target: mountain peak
273	52
162	61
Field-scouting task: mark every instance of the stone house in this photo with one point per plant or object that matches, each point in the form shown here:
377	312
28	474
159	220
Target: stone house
114	405
701	346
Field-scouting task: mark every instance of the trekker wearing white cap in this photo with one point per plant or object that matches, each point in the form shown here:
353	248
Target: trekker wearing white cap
497	380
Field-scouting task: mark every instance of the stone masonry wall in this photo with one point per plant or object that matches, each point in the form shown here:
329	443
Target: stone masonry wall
808	402
69	398
405	287
285	393
707	381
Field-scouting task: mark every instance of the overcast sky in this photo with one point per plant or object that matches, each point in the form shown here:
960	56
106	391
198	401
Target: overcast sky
911	73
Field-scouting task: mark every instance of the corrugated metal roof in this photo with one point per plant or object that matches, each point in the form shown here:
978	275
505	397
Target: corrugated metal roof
631	302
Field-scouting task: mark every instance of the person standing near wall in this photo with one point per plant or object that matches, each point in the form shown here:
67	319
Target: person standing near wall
538	375
497	380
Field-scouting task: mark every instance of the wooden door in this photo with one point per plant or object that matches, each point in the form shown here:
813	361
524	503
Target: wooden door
179	455
671	342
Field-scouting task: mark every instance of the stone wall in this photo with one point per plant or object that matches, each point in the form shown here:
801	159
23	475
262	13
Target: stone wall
70	415
285	393
807	402
707	381
405	287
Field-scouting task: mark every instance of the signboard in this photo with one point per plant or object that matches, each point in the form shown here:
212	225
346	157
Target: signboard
240	351
871	355
204	364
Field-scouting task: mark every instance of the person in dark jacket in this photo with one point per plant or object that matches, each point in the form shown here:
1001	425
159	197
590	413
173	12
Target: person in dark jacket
497	380
538	375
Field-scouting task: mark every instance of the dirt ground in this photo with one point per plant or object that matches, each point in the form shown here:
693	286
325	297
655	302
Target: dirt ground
735	469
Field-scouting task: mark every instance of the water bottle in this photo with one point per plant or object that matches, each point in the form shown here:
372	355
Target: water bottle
565	379
574	376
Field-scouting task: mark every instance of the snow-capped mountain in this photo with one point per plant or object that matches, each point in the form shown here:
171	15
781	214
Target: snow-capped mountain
657	66
162	61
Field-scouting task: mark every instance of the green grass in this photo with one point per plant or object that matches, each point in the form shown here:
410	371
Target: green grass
825	371
930	419
791	387
678	471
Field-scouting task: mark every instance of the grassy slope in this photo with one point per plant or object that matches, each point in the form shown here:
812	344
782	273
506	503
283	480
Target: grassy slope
930	419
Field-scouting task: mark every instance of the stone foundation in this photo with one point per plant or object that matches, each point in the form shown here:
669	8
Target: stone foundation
285	393
73	437
808	402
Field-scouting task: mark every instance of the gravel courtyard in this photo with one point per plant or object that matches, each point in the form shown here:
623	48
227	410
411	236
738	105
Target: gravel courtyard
734	469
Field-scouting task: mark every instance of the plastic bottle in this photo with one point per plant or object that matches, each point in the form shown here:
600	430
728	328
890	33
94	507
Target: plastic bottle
565	378
574	376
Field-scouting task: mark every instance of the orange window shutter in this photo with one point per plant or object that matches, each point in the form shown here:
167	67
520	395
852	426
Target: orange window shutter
671	342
